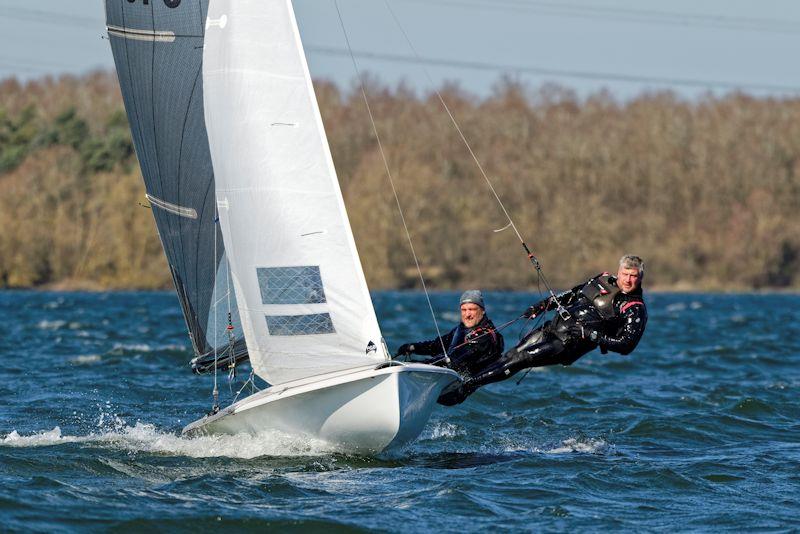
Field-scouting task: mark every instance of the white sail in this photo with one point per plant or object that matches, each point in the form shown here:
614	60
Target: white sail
303	300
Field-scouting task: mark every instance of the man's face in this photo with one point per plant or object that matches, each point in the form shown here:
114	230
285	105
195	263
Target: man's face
471	314
628	278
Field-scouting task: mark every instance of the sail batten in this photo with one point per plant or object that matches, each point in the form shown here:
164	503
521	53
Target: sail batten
141	35
183	211
304	303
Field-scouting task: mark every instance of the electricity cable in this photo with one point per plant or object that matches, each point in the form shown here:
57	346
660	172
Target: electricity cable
544	71
628	14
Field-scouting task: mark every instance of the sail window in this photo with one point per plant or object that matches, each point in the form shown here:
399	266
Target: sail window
300	325
290	285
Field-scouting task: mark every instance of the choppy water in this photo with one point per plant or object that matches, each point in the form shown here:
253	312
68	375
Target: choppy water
699	429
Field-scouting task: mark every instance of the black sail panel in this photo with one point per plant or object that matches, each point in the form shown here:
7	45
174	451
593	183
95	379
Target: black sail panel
158	51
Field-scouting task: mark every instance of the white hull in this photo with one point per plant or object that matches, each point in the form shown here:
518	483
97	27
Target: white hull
362	410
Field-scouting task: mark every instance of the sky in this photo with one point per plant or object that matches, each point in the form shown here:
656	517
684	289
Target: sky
624	46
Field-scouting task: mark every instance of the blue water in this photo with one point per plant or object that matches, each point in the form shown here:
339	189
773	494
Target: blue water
698	429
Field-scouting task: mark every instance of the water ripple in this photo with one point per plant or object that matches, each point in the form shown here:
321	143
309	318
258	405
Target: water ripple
699	429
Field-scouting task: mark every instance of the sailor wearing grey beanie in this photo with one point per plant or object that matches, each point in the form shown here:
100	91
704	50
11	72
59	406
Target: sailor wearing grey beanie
473	296
468	348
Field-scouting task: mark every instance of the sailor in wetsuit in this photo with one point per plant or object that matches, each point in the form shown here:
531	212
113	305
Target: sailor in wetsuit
471	346
607	312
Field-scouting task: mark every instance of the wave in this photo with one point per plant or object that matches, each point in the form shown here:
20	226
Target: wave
124	348
581	445
44	324
683	306
86	359
451	317
59	324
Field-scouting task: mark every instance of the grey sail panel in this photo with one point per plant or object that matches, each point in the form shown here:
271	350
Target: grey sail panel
158	51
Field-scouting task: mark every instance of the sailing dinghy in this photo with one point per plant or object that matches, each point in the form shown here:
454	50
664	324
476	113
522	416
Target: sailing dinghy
248	207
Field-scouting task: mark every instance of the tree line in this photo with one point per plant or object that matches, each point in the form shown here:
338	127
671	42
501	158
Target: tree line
707	190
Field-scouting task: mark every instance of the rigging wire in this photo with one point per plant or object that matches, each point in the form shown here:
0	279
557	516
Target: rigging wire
215	392
561	310
391	180
228	281
251	381
229	330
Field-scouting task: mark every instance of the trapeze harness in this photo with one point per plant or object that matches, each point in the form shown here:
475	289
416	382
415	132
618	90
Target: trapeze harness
469	349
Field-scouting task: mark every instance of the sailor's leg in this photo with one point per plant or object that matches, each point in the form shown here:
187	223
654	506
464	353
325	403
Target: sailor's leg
546	352
455	395
536	350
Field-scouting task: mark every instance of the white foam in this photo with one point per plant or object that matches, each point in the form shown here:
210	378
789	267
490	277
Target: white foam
137	347
40	439
442	430
589	446
53	304
147	438
86	358
144	347
50	325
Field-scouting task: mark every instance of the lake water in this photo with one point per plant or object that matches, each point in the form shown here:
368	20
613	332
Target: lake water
698	429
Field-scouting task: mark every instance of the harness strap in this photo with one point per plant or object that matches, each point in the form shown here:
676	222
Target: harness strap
627	305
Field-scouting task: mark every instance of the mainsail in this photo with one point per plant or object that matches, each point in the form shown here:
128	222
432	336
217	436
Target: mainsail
303	299
158	50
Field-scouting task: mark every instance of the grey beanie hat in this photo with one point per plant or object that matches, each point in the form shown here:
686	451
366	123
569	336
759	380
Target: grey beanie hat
474	296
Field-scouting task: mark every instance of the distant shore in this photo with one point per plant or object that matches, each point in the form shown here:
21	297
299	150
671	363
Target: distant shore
706	191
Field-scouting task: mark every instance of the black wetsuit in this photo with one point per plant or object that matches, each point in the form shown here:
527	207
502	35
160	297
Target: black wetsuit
470	349
597	306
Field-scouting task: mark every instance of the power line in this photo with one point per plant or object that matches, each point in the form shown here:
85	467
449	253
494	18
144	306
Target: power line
12	70
33	63
559	9
627	15
49	17
526	69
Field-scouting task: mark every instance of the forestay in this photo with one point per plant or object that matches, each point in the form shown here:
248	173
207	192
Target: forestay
304	303
158	51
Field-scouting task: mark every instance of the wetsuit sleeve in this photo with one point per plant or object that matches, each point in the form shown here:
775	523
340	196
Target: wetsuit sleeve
547	304
635	317
434	346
